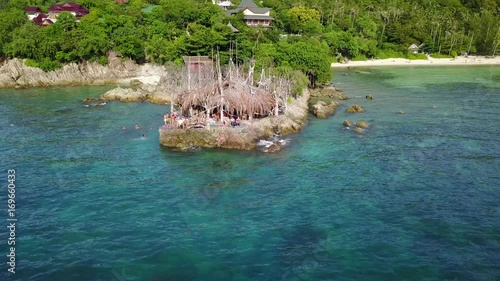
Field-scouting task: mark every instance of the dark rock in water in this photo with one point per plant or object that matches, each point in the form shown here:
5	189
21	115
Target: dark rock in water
362	124
348	123
275	147
369	97
323	109
89	100
356	109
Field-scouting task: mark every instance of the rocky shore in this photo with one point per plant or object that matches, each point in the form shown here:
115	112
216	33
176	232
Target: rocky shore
243	137
325	101
15	74
134	90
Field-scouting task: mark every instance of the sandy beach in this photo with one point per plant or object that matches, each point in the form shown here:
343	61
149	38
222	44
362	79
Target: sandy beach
470	60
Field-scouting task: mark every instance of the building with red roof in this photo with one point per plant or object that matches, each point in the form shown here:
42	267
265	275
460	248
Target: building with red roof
32	12
35	13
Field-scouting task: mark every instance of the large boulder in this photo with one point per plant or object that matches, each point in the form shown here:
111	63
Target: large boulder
356	109
125	95
324	109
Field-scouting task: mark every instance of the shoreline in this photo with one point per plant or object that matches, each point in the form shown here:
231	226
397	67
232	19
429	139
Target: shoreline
458	61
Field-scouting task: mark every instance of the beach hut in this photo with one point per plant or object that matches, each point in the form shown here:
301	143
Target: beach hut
239	98
414	48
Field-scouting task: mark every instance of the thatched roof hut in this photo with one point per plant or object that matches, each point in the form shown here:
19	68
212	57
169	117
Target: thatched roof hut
238	97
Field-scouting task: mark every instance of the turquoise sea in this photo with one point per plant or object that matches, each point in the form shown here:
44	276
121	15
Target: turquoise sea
415	198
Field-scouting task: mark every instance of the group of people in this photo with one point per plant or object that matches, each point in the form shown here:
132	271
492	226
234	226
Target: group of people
175	120
235	122
170	120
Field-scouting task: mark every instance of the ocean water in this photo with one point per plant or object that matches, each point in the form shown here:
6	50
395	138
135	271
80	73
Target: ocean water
416	197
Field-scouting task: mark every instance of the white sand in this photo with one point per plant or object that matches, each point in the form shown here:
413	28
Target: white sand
470	60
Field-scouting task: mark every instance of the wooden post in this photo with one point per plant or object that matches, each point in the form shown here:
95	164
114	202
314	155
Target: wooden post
219	80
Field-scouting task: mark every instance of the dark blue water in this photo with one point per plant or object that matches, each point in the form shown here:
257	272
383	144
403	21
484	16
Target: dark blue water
414	198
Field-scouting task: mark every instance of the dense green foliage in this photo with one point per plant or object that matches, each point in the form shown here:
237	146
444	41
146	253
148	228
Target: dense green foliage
306	34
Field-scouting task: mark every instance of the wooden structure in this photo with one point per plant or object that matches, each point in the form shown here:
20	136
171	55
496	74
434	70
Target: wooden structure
197	62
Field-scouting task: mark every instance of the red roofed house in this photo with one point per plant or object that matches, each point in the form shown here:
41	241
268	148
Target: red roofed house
42	20
32	12
35	14
75	9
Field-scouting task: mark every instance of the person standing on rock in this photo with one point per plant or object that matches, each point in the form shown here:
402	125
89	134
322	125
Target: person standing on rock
165	119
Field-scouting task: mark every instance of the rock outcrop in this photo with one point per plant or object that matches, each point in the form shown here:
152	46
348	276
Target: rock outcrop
324	109
244	137
14	73
153	93
125	95
356	109
329	92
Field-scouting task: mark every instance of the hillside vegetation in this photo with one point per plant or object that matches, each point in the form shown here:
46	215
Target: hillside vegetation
307	35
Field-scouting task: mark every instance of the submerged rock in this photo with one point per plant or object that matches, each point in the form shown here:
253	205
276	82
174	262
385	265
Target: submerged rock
362	124
274	147
356	109
348	123
358	130
369	97
86	100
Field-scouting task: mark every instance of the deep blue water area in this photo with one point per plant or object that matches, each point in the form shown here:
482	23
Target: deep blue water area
416	197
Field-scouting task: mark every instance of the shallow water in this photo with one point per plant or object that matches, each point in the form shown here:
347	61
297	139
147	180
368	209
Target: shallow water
415	198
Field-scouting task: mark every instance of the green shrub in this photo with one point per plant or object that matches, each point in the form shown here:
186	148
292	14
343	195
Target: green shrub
412	56
389	54
454	54
30	63
47	64
360	58
441	56
102	60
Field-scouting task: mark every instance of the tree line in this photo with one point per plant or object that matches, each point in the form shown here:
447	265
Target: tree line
307	35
